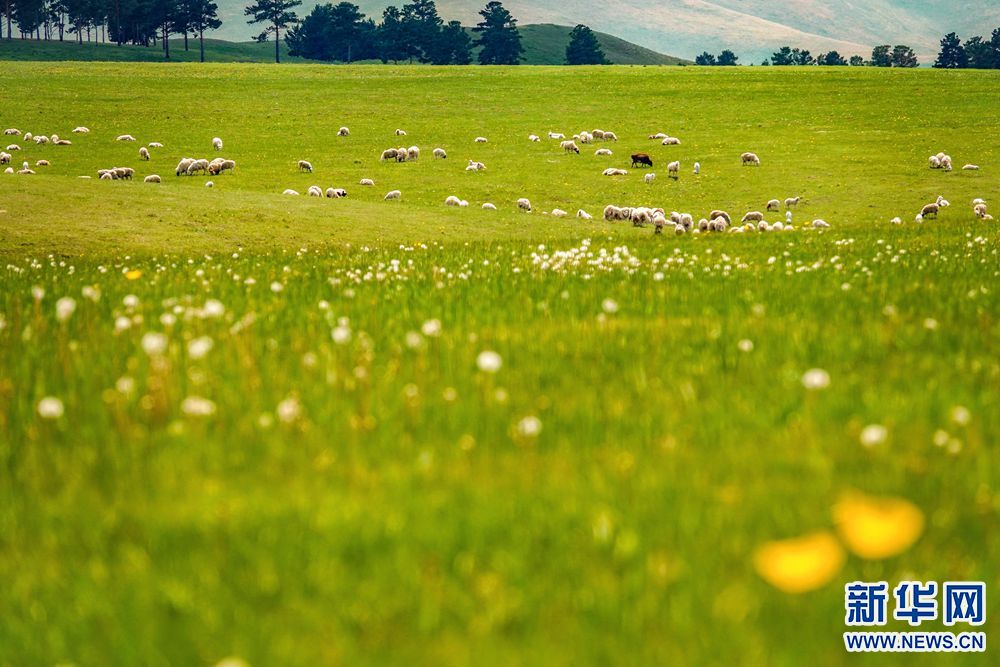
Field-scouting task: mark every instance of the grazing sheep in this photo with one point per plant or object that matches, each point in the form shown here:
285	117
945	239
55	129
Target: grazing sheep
489	207
649	178
524	205
820	224
979	210
586	138
412	153
62	142
583	215
196	166
42	139
570	147
343	132
13	147
394	195
400	133
659	135
452	200
289	191
987	218
389	154
611	171
946	163
463	204
440	154
599	134
721	214
671	141
336	193
144	153
558	213
970	167
792	201
896	221
183	165
919	218
612	212
5	158
28	136
929	210
13	131
125	173
674	169
556	135
314	191
402	153
774	205
755	216
641	159
106	176
942	202
475	166
305	165
155	144
42	163
209	184
534	138
152	178
81	130
750	158
977	201
225	165
482	140
366	182
124	137
25	171
610	136
679	230
934	162
640	216
603	151
217	143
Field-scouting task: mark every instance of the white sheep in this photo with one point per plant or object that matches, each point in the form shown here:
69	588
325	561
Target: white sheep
42	139
463	204
196	166
13	147
659	135
556	135
583	215
979	210
314	191
896	221
209	184
558	213
534	138
524	204
28	136
697	168
792	201
929	210
603	152
10	170
394	195
970	167
336	193
413	153
482	140
289	191
155	144
124	137
367	182
400	133
489	207
305	165
42	163
570	147
773	205
152	178
5	158
80	130
343	132
674	169
649	178
144	152
217	143
977	201
671	141
750	158
755	216
475	166
612	171
610	136
942	202
389	154
440	154
12	131
820	224
452	200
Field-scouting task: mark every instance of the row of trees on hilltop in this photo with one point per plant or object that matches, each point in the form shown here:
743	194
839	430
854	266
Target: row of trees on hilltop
975	53
141	22
884	55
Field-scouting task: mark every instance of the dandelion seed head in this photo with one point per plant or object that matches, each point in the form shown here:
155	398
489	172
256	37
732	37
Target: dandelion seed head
50	407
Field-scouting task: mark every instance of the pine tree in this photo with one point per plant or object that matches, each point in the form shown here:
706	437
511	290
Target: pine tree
727	59
706	59
583	48
903	56
952	55
882	56
202	15
498	36
276	14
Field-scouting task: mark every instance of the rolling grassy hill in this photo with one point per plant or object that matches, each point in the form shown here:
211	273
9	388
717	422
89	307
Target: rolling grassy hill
543	45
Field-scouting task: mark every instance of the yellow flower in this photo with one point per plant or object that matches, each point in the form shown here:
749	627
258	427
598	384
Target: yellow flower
134	274
875	528
800	564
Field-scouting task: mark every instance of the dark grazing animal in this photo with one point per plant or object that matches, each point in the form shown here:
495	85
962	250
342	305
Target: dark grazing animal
641	159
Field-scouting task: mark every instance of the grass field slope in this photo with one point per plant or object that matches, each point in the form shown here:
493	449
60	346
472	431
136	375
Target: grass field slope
543	45
301	431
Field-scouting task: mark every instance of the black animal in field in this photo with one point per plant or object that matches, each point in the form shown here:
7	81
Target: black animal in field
639	159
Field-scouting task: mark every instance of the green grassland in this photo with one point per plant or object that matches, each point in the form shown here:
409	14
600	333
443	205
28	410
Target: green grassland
359	491
544	44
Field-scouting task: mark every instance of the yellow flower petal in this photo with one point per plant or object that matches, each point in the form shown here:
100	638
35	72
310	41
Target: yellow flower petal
876	528
134	274
800	564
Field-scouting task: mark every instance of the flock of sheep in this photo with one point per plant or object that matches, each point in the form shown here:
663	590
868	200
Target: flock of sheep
640	216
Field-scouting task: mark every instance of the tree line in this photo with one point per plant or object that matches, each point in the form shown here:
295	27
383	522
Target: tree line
341	32
975	53
883	55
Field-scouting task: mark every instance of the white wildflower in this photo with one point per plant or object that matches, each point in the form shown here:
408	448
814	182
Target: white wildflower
50	407
489	361
816	378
